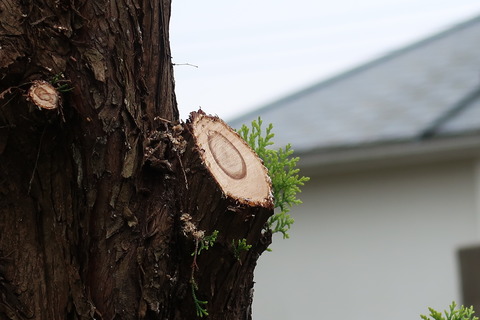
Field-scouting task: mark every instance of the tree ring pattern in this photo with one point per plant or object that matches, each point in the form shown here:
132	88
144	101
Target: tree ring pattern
226	155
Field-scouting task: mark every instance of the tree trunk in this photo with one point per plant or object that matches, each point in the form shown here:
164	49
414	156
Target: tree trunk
106	201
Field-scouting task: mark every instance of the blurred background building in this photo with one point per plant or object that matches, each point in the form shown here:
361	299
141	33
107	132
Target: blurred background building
393	151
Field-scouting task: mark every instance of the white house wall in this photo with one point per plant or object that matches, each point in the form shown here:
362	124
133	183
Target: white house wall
371	245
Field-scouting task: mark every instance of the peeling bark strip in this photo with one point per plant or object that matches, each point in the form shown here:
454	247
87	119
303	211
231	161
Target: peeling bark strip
91	198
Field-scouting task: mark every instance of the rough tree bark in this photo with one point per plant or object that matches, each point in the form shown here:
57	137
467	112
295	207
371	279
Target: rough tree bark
104	196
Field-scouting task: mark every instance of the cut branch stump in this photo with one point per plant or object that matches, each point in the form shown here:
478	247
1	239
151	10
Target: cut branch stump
227	189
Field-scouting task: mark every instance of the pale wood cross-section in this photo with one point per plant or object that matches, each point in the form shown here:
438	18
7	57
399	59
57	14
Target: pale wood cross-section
44	95
234	165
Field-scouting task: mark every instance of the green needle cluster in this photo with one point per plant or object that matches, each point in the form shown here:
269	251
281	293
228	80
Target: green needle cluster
282	170
461	313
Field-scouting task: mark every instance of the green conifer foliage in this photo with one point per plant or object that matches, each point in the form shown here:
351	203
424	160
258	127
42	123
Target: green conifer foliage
282	170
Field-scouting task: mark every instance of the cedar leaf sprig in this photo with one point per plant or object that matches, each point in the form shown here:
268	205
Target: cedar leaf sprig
461	313
282	170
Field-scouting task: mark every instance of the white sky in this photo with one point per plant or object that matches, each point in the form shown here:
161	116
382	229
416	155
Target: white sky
252	52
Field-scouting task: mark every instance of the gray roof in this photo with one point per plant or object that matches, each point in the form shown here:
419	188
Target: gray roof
426	90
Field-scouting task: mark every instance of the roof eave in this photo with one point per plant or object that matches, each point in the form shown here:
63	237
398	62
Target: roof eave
365	157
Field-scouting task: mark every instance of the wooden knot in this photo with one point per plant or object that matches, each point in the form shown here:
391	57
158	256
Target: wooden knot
44	95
